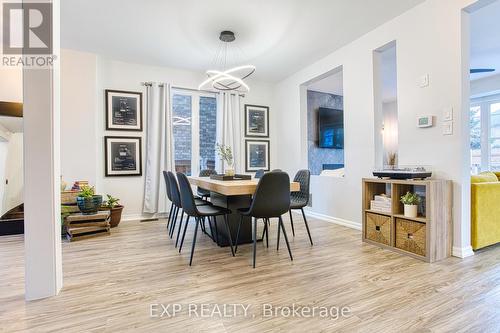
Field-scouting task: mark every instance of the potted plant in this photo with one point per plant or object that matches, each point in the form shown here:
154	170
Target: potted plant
88	202
112	204
226	154
411	201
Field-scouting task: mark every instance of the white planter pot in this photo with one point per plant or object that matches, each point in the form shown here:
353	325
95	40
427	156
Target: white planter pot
411	210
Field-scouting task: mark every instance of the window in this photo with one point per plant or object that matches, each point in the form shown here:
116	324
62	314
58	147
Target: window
194	128
485	134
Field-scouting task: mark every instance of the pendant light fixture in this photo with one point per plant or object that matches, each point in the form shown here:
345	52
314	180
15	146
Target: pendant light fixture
227	79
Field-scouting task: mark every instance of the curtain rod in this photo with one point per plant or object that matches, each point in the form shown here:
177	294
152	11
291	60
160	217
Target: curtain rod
150	83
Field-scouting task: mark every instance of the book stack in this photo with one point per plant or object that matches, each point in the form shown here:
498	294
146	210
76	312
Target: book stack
79	226
381	203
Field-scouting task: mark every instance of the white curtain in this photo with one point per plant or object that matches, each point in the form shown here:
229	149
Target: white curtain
229	128
159	147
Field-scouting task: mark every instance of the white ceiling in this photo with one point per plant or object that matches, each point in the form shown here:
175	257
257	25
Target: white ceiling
485	39
279	36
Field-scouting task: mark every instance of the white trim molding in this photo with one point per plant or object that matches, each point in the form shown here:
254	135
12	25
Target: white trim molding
331	219
139	217
462	252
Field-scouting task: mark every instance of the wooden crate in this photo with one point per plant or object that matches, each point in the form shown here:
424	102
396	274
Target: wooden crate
378	228
411	236
80	226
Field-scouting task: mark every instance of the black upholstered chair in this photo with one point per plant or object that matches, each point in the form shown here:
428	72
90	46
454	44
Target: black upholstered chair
176	200
169	196
199	212
203	193
271	200
259	173
300	199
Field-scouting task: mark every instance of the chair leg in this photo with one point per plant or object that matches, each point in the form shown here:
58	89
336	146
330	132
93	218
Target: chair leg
194	240
254	240
238	234
286	239
229	234
179	229
307	226
266	228
278	241
184	233
169	214
174	222
291	222
203	225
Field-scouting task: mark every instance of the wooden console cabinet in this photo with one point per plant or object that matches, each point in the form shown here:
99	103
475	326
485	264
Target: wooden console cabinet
426	237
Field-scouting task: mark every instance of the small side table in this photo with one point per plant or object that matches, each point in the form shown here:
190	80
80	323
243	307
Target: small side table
79	226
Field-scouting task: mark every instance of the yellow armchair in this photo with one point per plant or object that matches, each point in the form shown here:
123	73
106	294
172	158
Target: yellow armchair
485	213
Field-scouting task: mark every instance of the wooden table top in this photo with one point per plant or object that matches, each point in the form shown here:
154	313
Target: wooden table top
232	187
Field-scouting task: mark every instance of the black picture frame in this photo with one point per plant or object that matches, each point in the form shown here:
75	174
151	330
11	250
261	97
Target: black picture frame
248	159
114	122
136	141
256	127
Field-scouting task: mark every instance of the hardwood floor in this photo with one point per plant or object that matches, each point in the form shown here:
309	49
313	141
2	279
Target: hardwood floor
111	281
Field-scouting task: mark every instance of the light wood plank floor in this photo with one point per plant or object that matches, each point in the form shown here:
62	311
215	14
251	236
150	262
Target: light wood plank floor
110	282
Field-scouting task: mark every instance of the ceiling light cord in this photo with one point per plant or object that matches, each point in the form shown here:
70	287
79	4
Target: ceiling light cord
228	78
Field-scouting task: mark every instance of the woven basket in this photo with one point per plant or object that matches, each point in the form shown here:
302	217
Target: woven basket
410	236
378	228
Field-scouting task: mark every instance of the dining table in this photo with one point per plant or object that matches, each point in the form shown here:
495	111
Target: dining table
232	194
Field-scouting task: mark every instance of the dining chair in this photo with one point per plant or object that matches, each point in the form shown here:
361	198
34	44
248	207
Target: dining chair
169	196
259	173
271	200
199	212
176	199
300	199
203	193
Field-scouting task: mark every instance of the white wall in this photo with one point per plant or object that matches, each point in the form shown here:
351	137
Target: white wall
78	117
85	76
11	84
429	39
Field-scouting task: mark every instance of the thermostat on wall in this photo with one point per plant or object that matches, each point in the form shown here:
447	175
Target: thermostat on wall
424	121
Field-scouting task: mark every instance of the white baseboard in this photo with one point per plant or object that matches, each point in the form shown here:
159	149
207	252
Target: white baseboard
138	217
336	220
462	252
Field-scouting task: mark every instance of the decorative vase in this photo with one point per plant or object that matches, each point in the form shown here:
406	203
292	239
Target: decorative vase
229	171
89	206
411	211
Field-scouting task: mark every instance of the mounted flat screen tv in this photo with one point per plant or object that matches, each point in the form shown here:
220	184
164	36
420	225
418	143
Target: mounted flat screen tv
331	128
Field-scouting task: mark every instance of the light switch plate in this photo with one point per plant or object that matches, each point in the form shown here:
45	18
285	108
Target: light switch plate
424	81
448	128
448	114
